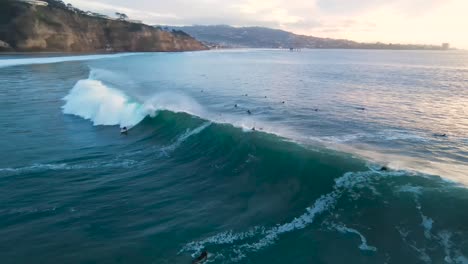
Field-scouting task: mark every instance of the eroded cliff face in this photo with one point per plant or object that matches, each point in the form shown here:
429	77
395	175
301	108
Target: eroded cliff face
45	28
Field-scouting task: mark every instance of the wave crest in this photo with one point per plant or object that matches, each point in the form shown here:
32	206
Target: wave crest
97	101
93	100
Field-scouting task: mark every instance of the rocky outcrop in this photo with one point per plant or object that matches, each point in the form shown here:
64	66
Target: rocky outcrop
49	28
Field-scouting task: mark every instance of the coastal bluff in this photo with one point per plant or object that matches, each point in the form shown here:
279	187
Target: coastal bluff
56	27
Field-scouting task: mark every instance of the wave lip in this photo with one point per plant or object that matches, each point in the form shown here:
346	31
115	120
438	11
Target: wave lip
93	100
104	104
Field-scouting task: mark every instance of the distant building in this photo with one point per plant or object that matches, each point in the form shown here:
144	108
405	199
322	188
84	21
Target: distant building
445	46
34	2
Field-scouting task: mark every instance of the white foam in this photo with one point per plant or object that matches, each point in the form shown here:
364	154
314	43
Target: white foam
444	240
227	237
363	246
182	138
114	163
47	60
384	135
421	251
322	204
417	190
102	104
452	254
92	100
427	223
267	236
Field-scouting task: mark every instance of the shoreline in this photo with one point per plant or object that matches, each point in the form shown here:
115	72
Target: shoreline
88	53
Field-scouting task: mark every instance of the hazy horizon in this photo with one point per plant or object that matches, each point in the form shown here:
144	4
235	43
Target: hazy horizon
407	22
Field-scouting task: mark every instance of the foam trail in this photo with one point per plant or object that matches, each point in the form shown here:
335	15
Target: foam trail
385	135
423	256
426	222
452	255
184	137
364	246
47	60
268	236
114	163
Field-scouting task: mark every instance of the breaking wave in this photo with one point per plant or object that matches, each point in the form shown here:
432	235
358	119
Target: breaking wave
102	104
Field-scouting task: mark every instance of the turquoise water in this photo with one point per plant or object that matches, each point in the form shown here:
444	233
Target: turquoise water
304	187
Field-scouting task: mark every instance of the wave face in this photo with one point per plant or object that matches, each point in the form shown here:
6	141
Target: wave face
270	193
192	175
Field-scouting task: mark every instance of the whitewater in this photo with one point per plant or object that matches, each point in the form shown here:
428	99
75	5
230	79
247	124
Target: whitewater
98	101
256	156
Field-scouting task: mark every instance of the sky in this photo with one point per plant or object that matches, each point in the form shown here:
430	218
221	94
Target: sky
390	21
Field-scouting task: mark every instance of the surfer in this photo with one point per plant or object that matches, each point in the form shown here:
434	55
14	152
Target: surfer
440	135
124	130
283	102
235	105
383	168
248	112
203	256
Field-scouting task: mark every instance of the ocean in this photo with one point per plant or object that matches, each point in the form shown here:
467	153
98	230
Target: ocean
254	156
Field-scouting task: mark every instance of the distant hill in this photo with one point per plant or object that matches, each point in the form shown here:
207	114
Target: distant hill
261	37
51	25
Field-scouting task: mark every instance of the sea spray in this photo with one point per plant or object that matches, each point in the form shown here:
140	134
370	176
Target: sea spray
93	100
97	101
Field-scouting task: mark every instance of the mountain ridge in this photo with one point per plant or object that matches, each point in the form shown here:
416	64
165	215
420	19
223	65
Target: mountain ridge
262	37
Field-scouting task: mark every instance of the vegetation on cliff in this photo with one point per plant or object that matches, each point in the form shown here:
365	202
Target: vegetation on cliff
58	27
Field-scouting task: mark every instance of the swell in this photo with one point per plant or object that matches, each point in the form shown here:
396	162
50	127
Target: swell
275	189
298	190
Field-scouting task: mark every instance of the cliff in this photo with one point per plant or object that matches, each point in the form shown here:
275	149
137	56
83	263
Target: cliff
58	28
